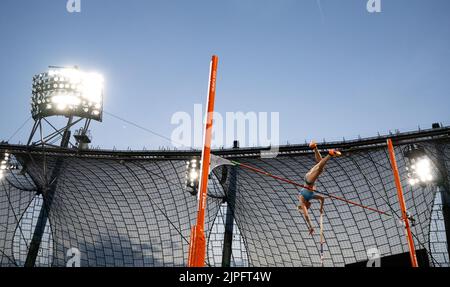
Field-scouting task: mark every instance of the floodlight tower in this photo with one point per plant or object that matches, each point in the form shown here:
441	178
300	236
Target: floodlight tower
77	96
67	92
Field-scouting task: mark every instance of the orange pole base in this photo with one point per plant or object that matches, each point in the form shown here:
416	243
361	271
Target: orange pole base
197	247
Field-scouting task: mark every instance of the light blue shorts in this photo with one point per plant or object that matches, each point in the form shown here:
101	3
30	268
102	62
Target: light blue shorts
307	194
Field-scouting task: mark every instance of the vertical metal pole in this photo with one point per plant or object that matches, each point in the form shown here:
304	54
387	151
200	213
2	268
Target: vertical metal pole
48	193
197	245
229	222
401	200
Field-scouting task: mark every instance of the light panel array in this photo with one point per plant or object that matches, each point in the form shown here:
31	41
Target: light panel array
192	175
420	171
4	164
420	168
67	92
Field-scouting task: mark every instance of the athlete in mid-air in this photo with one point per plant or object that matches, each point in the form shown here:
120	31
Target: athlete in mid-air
307	194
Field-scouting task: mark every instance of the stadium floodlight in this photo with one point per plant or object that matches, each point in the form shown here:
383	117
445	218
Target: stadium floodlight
192	175
4	164
67	92
420	167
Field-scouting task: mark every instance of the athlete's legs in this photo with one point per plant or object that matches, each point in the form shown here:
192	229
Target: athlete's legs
317	170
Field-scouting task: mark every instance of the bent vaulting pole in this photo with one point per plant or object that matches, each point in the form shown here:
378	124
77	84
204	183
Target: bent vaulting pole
197	244
401	200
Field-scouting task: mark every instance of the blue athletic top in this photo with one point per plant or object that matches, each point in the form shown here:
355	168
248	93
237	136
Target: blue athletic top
307	194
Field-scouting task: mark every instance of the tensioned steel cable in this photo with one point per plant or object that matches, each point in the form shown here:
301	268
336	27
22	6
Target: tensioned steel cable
146	129
19	129
160	210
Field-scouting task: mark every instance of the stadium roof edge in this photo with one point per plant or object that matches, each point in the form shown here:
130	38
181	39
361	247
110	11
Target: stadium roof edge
356	144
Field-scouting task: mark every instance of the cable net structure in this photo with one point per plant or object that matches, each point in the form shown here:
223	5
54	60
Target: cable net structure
115	212
133	209
276	235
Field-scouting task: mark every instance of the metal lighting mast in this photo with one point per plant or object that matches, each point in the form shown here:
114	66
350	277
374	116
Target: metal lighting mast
70	93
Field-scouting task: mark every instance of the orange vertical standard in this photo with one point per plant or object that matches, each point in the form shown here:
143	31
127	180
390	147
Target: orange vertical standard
401	200
197	244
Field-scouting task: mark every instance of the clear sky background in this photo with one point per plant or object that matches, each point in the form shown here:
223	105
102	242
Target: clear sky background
330	68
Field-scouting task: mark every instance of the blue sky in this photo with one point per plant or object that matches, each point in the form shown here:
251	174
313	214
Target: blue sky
339	72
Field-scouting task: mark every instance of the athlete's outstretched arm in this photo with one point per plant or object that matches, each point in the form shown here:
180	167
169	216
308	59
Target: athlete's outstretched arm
322	200
308	220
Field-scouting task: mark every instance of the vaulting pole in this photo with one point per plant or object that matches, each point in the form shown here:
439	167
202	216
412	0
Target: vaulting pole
401	200
322	239
197	245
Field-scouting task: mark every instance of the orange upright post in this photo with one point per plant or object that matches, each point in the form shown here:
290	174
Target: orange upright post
197	245
401	200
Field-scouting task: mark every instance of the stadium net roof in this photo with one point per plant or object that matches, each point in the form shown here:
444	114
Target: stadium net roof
131	208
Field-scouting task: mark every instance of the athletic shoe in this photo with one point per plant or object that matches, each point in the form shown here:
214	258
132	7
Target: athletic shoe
334	153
